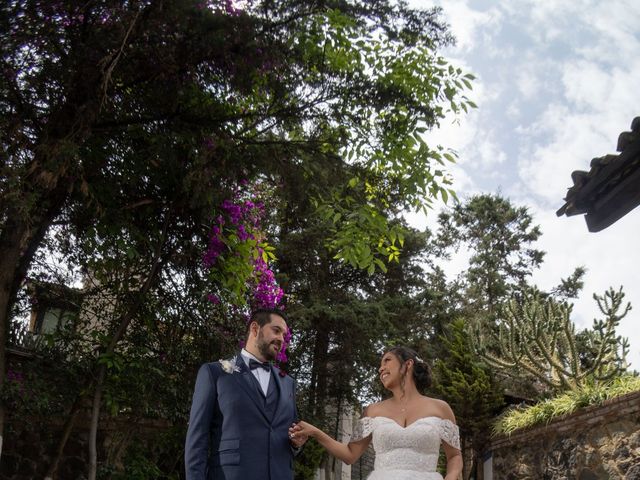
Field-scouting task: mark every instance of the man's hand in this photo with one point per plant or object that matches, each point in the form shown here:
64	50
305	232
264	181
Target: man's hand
297	438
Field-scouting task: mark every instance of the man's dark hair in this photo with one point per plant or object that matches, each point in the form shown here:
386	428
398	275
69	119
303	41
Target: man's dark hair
262	316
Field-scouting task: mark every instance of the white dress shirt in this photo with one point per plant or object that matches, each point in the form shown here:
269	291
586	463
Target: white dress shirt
261	374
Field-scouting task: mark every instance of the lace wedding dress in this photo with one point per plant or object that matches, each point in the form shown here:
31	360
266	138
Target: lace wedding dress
407	453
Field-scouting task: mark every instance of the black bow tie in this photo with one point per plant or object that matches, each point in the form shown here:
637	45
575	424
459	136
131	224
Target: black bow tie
253	364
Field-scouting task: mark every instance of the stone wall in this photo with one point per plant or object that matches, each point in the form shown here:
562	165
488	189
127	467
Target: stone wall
593	443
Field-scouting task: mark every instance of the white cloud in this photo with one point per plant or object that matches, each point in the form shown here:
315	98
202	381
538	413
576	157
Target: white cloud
599	105
545	21
613	27
534	75
514	111
462	181
471	27
574	139
490	155
604	92
527	83
587	84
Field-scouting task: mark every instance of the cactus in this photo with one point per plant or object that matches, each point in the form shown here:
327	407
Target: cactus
535	336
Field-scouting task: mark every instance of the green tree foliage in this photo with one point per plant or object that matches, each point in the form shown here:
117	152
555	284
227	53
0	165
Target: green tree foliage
571	286
170	330
496	240
347	316
536	336
499	238
342	319
126	124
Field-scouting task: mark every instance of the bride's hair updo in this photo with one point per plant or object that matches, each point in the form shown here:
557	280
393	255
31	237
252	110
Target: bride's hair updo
421	370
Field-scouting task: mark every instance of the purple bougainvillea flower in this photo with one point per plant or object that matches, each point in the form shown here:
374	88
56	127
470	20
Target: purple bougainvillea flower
243	235
238	222
234	211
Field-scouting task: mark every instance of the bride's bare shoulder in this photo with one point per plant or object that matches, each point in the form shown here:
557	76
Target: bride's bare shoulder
440	408
375	409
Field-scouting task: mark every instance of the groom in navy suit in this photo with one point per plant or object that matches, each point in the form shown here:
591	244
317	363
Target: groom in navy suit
242	409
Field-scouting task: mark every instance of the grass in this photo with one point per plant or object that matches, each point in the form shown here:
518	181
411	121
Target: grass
547	410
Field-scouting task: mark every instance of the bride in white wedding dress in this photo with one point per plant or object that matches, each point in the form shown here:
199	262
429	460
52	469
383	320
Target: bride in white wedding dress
407	429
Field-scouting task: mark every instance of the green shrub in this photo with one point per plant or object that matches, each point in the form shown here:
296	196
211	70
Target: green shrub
546	410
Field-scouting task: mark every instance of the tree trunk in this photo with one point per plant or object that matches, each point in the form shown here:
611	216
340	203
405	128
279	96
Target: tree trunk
10	253
66	433
4	324
125	320
320	368
95	417
19	241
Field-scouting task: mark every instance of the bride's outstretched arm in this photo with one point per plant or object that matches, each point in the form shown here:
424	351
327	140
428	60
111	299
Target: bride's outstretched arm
347	452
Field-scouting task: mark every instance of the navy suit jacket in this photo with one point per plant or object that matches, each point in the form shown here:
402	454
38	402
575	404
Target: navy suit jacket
232	435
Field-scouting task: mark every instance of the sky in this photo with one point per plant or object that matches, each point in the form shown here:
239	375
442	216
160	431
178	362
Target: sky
557	82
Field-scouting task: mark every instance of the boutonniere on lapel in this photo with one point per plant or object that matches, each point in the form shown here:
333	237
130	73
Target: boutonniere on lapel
229	365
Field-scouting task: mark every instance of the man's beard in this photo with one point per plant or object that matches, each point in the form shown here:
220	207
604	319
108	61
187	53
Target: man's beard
264	348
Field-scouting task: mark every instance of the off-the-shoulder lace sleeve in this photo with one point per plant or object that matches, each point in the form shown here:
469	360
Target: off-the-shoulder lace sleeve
450	433
363	429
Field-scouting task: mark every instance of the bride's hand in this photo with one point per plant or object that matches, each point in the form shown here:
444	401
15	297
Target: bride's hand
302	429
